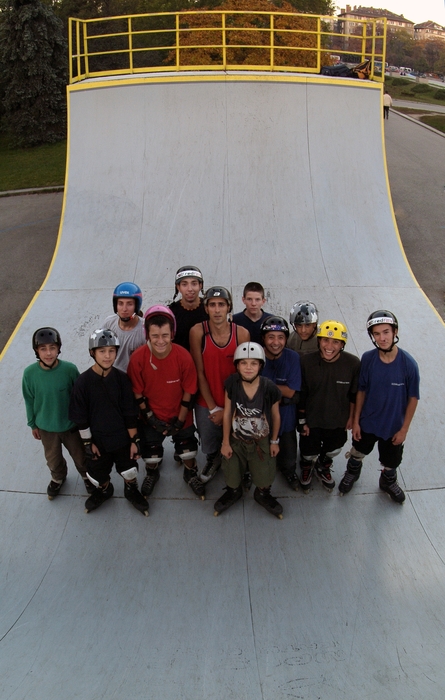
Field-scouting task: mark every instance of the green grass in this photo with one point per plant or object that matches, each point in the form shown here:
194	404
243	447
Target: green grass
437	121
410	92
41	166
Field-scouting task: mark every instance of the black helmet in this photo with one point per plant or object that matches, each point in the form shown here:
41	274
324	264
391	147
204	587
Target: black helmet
45	336
218	293
382	316
274	323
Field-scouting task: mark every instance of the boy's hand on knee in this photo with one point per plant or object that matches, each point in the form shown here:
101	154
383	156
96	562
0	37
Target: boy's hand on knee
36	434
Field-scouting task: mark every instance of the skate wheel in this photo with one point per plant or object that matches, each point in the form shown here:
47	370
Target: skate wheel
215	513
87	511
280	517
146	513
50	498
202	497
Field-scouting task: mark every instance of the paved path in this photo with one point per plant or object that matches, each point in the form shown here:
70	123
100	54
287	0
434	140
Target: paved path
419	105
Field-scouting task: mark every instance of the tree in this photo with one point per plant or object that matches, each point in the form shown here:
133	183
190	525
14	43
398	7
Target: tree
244	46
33	63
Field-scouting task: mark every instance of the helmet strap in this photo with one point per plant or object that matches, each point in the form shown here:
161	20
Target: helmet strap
49	366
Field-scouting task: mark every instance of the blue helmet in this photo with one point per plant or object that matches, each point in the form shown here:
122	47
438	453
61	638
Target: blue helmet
128	290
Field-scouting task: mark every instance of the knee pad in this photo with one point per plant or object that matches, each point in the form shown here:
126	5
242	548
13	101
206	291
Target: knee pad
187	449
333	453
93	481
355	457
310	458
130	474
153	454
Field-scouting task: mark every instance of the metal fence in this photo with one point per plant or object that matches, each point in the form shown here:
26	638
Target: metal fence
220	40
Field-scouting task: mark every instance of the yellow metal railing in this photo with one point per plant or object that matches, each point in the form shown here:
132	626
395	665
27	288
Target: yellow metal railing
220	40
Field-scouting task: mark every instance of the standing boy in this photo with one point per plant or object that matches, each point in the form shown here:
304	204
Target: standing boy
253	315
251	425
213	344
304	319
103	407
189	308
283	368
387	397
125	323
46	388
330	378
164	380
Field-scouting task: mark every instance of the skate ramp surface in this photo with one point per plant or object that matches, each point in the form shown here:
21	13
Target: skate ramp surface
280	179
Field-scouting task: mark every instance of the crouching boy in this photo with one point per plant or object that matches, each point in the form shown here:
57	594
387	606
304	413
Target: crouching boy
250	430
103	407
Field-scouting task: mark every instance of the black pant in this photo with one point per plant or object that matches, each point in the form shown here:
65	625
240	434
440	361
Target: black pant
390	455
322	440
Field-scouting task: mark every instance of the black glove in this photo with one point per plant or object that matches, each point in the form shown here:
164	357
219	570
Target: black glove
87	446
137	441
175	426
160	425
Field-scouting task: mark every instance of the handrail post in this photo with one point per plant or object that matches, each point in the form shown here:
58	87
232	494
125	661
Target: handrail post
224	41
85	50
364	30
177	41
130	45
70	48
318	44
272	41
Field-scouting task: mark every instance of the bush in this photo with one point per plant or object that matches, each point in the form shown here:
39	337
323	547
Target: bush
400	81
439	95
406	93
421	87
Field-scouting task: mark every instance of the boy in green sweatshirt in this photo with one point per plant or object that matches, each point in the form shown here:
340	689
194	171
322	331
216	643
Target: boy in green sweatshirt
46	388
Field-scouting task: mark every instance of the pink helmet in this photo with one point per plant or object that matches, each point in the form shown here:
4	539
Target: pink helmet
159	310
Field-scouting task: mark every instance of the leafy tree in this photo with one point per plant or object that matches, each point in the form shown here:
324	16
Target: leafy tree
33	60
245	47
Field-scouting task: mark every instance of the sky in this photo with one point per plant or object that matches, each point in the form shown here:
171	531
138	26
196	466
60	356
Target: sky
415	10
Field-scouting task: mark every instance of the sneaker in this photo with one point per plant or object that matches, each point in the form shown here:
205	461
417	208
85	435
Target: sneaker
228	498
307	471
292	479
53	489
265	499
246	482
150	481
323	474
212	465
391	487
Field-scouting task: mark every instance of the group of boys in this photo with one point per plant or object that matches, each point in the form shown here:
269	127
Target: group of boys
248	383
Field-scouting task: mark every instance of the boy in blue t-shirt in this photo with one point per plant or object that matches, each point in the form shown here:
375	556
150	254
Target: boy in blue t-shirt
387	397
253	315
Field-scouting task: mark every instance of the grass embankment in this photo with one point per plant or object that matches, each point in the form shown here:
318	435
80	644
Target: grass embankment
403	89
22	168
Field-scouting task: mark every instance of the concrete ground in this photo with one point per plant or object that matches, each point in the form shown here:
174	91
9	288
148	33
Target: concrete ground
416	165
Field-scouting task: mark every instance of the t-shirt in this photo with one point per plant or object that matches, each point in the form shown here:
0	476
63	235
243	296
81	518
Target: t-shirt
106	405
185	320
129	340
328	388
251	418
218	363
164	386
285	370
241	319
387	386
47	395
303	347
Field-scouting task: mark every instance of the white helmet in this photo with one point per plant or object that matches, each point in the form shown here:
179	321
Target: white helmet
252	351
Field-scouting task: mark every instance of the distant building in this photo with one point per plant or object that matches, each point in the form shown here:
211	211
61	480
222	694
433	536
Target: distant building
349	19
429	30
